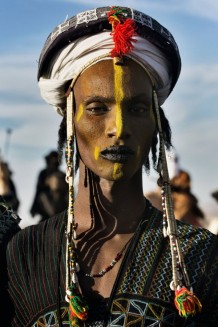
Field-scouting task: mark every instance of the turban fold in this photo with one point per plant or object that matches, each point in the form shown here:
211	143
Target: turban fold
73	45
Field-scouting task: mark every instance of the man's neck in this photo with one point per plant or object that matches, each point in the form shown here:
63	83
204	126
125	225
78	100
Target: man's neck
121	200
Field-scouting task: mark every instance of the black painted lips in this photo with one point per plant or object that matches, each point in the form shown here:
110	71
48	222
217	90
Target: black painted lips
118	154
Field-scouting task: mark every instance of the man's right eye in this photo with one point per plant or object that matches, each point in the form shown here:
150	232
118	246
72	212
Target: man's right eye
96	109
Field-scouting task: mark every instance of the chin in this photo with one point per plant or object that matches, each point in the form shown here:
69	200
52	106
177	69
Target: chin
115	171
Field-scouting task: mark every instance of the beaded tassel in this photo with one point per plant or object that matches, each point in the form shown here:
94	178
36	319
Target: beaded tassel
185	301
123	31
78	309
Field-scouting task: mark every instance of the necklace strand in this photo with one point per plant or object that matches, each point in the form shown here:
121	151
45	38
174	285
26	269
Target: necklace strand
102	272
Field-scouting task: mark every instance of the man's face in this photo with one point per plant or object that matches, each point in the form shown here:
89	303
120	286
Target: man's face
114	121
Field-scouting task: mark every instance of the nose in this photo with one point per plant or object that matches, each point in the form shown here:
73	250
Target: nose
119	124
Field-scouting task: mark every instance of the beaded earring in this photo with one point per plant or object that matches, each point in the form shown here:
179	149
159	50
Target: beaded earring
78	308
185	301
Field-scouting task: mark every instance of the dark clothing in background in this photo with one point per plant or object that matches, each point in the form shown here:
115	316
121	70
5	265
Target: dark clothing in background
51	194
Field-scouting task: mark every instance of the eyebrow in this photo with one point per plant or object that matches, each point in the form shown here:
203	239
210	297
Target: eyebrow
96	98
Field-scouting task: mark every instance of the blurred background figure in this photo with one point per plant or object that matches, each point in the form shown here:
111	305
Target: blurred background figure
185	203
213	223
7	186
51	195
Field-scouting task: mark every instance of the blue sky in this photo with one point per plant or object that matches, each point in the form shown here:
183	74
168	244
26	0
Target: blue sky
191	108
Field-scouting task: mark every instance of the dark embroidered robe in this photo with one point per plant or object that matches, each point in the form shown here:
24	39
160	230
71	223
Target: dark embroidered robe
141	295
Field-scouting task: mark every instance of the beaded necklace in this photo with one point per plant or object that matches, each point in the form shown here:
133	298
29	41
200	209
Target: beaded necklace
102	272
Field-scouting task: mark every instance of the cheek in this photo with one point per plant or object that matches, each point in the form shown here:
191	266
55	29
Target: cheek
90	132
88	136
144	140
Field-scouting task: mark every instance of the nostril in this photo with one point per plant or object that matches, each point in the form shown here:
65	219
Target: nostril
111	132
119	130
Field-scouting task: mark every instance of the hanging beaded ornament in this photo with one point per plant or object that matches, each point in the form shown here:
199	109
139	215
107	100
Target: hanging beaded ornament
185	301
78	308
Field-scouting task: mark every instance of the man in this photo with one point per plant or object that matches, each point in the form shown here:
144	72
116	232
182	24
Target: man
106	261
185	204
7	186
51	191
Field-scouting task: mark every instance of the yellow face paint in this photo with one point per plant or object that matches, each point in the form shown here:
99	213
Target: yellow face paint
119	96
138	151
117	172
96	152
80	112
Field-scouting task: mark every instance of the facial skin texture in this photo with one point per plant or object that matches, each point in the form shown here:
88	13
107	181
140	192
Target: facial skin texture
114	108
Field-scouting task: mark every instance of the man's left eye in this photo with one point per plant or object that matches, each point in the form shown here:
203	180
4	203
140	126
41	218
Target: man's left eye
138	109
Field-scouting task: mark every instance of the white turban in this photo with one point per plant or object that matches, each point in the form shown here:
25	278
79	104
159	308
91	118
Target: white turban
72	59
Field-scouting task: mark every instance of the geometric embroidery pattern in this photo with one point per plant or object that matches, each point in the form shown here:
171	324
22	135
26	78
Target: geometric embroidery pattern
50	319
132	312
152	255
145	313
86	16
149	273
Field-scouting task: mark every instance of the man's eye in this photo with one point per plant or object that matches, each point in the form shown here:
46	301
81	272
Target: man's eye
96	110
138	109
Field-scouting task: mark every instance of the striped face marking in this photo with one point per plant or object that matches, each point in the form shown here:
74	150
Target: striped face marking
117	171
138	152
96	152
80	112
119	96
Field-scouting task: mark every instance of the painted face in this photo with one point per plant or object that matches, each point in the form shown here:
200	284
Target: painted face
114	121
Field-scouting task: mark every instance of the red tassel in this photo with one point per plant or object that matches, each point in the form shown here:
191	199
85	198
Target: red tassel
123	31
186	302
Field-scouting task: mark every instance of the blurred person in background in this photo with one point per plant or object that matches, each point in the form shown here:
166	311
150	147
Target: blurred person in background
7	186
51	190
213	221
185	203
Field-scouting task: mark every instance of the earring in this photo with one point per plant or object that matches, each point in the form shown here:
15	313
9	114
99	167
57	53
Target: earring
185	300
78	308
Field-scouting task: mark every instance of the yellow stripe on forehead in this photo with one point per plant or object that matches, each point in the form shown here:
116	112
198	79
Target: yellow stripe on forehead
119	96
